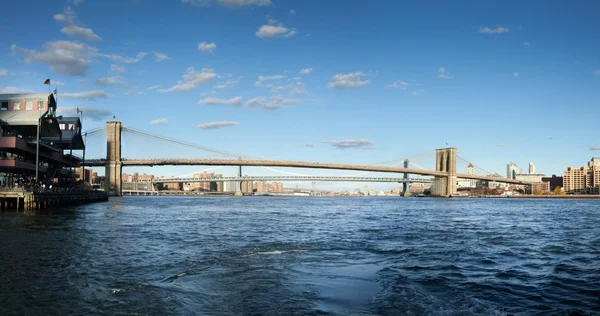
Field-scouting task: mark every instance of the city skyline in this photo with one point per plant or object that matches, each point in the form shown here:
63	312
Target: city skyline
329	82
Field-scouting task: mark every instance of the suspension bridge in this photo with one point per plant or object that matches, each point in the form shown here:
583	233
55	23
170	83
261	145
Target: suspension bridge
444	176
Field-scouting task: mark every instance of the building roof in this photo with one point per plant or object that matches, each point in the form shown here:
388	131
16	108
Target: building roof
21	96
20	117
470	165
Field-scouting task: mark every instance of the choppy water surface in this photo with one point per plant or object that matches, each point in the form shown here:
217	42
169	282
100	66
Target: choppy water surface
276	256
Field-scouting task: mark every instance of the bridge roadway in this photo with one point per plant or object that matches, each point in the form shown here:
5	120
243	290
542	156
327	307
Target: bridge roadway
292	178
292	164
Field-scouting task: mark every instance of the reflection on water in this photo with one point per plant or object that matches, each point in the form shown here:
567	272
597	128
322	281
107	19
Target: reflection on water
274	256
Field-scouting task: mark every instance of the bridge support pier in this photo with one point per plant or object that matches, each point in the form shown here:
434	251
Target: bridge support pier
114	167
445	161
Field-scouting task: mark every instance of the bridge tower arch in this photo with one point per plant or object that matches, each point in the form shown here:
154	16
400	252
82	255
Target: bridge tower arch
114	166
445	161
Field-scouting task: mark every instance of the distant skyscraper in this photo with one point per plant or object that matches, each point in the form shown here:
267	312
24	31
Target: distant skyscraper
471	170
531	168
512	170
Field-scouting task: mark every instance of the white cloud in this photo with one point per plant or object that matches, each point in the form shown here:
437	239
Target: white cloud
192	79
297	91
3	72
207	47
292	12
87	95
306	71
58	83
13	90
80	32
498	30
350	80
272	103
94	114
163	120
233	4
259	84
308	145
398	84
597	147
76	2
526	44
351	143
597	73
154	87
63	57
267	31
127	60
444	74
117	69
70	27
516	74
215	125
270	78
114	80
236	101
228	83
132	92
160	57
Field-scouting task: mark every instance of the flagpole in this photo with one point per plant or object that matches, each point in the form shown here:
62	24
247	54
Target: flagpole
37	138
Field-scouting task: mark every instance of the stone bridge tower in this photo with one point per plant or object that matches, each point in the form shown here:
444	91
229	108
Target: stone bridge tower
114	168
445	161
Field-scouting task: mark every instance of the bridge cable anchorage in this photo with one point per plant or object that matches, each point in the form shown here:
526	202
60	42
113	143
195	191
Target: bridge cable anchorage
175	141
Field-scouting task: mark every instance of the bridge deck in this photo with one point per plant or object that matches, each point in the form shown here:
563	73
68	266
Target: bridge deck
292	164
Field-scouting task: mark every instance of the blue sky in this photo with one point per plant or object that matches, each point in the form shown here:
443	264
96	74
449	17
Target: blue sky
382	80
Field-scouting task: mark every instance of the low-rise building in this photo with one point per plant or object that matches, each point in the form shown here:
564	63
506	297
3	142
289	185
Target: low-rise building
530	177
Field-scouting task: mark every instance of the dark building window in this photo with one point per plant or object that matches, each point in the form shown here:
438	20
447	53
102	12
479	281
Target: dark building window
4	106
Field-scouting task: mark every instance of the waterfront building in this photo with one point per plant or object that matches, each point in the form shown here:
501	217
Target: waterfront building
537	187
143	178
531	168
512	170
21	115
583	180
261	187
247	186
172	186
554	181
276	187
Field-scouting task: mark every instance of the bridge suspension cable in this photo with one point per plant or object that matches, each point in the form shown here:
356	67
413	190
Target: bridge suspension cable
477	167
179	142
94	131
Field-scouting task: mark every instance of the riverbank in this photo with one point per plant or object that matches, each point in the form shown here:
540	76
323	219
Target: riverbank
27	201
580	196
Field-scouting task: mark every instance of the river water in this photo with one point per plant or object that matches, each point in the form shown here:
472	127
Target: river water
303	256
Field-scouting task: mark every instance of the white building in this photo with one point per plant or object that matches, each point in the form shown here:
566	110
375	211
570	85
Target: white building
533	177
531	168
512	170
